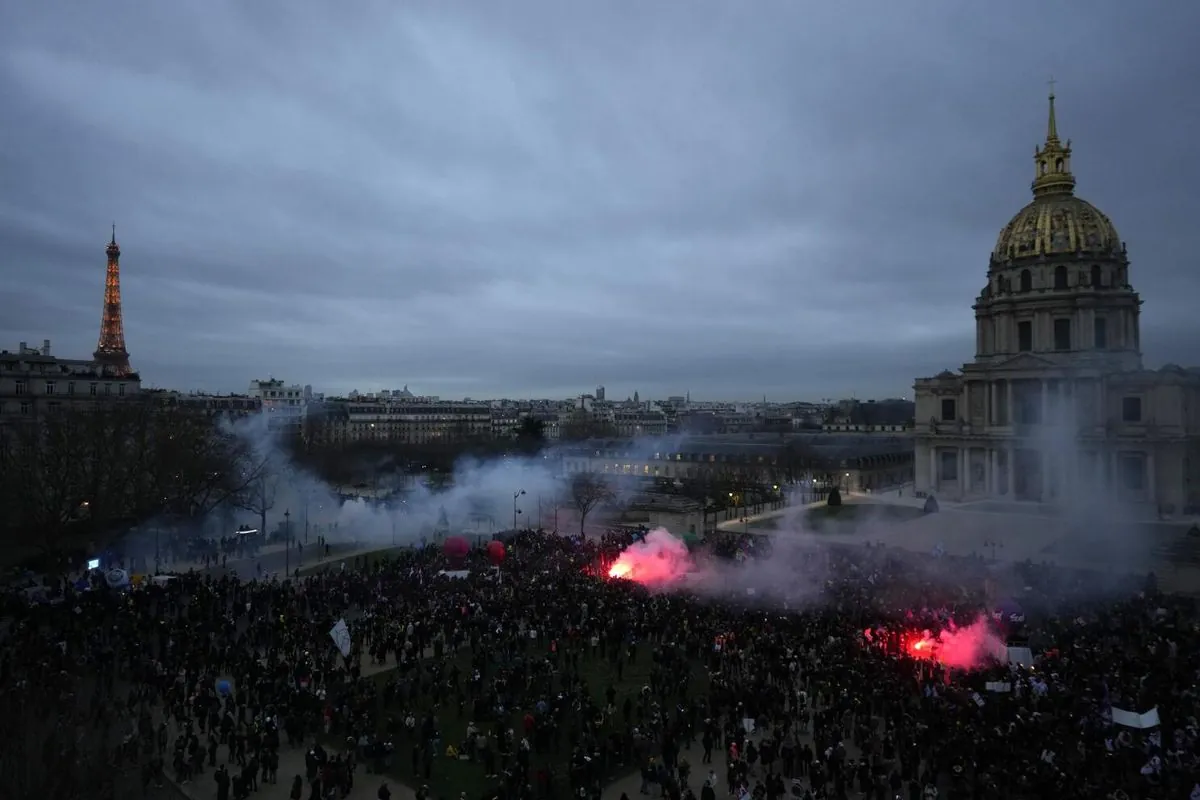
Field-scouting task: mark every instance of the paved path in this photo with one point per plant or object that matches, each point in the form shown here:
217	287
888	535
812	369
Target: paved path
275	561
739	524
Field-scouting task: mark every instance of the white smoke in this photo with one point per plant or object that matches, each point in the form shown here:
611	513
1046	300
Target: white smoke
480	497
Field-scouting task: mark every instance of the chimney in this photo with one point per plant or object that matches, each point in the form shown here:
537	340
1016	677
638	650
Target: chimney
45	347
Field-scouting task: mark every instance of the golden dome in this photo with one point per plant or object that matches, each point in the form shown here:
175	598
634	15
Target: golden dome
1056	223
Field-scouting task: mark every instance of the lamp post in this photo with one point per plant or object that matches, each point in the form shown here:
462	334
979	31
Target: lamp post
516	510
992	543
287	543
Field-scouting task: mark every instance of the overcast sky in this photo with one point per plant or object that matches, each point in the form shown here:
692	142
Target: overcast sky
532	198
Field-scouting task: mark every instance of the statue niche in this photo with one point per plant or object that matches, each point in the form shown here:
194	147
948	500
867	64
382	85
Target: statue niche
1060	238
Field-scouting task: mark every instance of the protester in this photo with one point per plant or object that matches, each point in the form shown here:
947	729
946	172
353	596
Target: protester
214	677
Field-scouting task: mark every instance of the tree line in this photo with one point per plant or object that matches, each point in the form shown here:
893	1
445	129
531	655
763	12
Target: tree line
74	474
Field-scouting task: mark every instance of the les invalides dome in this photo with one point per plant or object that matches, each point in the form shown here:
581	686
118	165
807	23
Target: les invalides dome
1056	223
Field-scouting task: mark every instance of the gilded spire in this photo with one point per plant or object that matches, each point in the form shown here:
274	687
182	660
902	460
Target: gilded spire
1052	160
1051	125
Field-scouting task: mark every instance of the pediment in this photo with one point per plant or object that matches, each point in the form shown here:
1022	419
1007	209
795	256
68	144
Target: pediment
1024	361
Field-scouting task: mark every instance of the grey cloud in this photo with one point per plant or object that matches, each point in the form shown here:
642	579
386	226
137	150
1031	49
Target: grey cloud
535	197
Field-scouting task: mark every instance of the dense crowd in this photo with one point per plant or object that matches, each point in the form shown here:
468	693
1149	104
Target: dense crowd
207	679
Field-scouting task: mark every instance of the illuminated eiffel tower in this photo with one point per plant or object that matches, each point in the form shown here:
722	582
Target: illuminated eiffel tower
110	351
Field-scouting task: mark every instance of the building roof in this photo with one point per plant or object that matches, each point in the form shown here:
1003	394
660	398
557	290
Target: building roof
822	445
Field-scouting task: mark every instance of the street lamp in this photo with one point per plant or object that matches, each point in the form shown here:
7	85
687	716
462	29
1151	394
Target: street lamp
992	543
307	497
287	543
516	510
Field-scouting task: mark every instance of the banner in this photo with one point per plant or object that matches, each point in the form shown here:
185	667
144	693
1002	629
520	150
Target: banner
341	638
1131	719
1021	656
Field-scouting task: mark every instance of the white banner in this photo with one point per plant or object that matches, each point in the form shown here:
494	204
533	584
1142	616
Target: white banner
1131	719
341	637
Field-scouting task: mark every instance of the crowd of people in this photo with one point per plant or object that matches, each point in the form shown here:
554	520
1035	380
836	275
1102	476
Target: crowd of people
208	678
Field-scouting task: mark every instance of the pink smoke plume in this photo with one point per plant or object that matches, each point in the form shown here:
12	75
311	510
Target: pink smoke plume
958	648
659	561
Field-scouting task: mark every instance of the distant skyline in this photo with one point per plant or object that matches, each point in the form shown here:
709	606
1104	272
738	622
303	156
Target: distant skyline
527	199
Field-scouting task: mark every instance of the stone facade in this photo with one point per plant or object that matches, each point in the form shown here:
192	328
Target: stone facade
34	382
1057	402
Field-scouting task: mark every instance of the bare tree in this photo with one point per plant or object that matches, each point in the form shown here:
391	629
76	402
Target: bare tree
167	459
258	495
587	492
794	463
75	473
63	469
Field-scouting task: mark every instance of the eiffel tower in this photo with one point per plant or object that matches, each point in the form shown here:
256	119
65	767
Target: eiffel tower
110	351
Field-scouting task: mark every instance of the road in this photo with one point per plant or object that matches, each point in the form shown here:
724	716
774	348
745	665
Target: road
274	560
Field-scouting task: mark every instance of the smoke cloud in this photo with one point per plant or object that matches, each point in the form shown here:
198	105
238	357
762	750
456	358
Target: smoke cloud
479	498
794	573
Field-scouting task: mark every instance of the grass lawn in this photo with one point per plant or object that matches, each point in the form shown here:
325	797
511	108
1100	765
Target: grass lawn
450	778
842	519
848	516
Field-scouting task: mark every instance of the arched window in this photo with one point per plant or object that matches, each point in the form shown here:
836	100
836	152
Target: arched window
1026	281
1058	165
1096	276
1060	277
1042	168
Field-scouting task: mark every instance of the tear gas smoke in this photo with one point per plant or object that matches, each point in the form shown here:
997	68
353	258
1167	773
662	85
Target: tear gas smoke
477	500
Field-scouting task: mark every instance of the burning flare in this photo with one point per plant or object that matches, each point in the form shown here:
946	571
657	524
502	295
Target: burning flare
958	648
659	560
